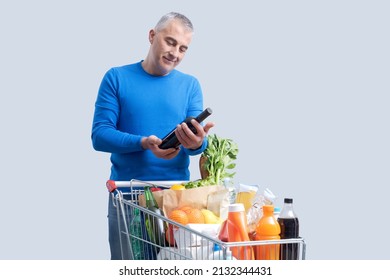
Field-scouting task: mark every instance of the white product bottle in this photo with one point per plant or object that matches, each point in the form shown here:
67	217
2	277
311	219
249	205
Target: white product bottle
217	254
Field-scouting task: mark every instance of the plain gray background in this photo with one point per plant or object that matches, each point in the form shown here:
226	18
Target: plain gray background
301	86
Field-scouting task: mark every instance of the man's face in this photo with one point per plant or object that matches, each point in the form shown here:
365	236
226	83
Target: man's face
168	47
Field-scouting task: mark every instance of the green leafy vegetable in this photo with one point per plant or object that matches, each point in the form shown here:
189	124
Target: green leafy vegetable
220	154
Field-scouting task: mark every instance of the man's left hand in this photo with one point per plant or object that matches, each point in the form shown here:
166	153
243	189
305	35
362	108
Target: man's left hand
189	139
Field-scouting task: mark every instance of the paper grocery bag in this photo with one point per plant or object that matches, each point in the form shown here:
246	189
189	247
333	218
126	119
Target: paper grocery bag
214	198
158	195
218	203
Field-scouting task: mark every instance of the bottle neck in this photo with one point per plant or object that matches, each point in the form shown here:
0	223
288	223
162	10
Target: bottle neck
287	211
268	210
149	198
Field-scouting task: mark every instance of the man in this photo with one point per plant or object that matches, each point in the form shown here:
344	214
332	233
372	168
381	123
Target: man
138	104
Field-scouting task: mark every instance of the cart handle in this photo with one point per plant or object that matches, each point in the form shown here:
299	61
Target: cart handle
111	186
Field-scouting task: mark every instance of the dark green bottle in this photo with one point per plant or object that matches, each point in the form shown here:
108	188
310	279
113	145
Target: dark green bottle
154	225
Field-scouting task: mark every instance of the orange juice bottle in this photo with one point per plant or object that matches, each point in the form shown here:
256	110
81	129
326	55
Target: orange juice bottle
237	231
267	228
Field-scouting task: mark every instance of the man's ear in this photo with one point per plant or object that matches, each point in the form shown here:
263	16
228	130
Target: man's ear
152	34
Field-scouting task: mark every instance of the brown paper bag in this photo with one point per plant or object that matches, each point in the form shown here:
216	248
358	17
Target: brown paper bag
214	198
218	203
158	195
208	197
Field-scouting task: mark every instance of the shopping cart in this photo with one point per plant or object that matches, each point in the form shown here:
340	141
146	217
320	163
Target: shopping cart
179	242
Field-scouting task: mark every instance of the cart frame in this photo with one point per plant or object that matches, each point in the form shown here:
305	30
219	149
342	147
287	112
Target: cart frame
193	244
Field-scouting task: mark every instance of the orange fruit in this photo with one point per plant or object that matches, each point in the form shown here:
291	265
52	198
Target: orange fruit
195	216
179	216
185	208
177	187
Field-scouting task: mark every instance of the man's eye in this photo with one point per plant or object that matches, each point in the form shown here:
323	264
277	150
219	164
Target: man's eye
170	43
183	50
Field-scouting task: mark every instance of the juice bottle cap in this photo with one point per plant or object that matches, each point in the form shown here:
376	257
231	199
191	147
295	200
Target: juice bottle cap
236	207
268	209
288	200
248	188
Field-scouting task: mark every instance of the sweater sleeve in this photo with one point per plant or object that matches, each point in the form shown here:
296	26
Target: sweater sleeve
105	135
197	151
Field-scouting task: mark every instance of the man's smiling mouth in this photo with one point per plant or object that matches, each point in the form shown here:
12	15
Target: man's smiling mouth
170	60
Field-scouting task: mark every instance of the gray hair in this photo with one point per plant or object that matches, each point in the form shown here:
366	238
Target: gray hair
172	16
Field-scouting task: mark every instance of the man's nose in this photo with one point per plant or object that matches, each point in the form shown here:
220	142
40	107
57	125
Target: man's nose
174	51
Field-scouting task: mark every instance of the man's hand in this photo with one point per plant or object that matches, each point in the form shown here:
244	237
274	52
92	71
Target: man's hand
152	142
190	140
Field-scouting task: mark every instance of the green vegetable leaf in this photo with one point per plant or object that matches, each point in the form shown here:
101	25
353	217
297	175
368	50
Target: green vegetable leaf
220	154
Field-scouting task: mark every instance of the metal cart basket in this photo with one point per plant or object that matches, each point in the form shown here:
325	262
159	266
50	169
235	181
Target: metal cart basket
136	224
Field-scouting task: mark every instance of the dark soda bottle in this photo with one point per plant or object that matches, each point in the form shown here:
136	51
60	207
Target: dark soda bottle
289	228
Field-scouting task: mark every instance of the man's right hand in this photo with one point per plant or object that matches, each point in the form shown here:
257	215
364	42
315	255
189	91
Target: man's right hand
152	142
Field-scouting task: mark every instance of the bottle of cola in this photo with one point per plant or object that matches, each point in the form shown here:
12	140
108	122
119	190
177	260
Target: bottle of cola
289	228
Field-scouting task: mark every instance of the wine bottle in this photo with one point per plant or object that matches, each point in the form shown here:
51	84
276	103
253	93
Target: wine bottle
154	225
171	141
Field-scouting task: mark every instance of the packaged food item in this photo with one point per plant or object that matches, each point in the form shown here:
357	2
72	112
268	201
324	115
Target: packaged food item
170	253
185	238
255	211
246	195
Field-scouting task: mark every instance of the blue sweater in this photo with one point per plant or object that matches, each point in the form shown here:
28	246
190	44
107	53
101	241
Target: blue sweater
132	104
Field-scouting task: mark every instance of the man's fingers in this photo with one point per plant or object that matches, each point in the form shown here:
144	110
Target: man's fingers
208	126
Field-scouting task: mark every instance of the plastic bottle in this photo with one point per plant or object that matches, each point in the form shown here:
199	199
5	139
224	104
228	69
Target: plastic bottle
223	234
267	229
135	228
229	185
246	195
237	231
217	254
276	213
289	226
